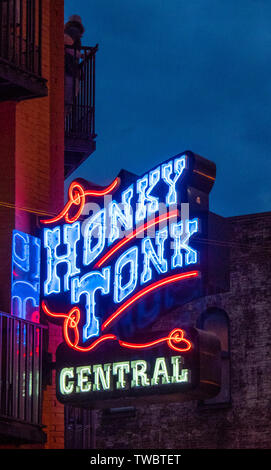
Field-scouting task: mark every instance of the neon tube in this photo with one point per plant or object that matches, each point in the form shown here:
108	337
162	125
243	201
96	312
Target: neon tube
134	234
72	318
147	290
176	335
77	196
204	174
173	340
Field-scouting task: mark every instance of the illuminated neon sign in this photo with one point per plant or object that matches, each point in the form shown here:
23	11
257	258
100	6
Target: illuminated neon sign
122	375
111	375
112	251
25	286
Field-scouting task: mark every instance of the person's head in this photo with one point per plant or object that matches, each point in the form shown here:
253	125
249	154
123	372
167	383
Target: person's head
75	23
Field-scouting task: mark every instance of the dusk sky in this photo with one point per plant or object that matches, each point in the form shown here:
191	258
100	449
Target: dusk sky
176	75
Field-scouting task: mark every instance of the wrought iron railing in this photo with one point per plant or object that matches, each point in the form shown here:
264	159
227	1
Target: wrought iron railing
20	370
21	34
80	92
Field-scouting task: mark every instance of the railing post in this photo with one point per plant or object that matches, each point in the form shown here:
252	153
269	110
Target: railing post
21	19
81	119
21	346
1	27
21	34
93	116
40	39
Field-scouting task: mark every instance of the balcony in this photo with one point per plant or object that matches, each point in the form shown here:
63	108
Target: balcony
20	380
20	50
79	106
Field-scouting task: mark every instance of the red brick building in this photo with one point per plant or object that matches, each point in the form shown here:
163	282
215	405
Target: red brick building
37	148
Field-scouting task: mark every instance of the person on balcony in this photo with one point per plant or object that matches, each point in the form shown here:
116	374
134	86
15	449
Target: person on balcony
73	32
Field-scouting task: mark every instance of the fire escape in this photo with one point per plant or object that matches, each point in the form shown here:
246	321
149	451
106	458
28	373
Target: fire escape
80	112
20	50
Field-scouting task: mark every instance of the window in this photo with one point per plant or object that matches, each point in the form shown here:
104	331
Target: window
216	321
79	428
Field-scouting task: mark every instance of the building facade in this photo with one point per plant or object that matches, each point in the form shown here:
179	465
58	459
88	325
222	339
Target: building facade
39	146
239	416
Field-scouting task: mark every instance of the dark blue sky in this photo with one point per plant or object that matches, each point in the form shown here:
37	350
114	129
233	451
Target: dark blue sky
175	75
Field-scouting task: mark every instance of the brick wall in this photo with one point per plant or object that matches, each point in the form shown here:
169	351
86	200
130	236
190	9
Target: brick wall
53	411
32	169
7	197
246	422
40	129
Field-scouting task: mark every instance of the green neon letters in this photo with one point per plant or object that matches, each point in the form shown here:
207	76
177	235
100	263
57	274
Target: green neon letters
135	374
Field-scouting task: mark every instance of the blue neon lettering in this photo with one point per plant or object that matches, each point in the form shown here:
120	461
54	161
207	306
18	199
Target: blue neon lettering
96	224
142	185
76	254
129	257
167	170
71	235
117	215
181	238
88	285
25	286
146	201
20	252
157	259
23	292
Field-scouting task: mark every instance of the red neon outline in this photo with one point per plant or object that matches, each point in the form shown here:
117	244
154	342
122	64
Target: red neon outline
147	290
77	196
151	344
73	317
132	235
71	320
176	335
94	344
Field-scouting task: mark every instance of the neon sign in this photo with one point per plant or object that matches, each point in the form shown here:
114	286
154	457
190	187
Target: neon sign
128	374
111	250
25	286
136	374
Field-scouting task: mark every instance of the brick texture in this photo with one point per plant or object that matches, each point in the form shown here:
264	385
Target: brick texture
7	197
32	169
246	422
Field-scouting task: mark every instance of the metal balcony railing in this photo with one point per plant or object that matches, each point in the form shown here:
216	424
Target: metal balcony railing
21	34
79	106
20	371
80	92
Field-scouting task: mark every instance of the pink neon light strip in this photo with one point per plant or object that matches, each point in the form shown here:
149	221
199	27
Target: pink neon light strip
134	234
92	345
72	318
175	336
147	290
77	197
173	340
